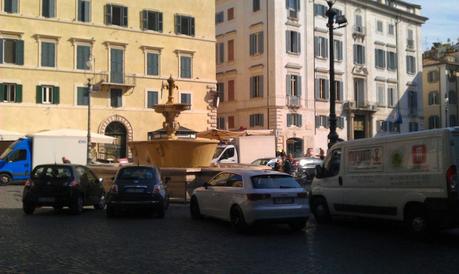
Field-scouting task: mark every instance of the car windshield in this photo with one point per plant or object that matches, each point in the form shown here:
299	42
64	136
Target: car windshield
274	181
137	173
218	152
260	162
52	172
7	151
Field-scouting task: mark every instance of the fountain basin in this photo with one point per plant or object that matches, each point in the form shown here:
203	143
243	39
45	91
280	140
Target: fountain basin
180	153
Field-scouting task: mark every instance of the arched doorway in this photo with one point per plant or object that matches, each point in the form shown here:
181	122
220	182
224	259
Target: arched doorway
119	148
295	147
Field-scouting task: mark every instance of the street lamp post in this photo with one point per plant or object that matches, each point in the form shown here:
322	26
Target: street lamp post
88	158
340	21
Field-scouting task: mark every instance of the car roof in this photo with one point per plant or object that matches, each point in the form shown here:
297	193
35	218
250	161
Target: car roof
252	172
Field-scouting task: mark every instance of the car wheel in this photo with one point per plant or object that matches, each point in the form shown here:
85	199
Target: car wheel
5	179
320	210
28	208
76	207
416	221
100	203
194	209
297	226
110	211
237	219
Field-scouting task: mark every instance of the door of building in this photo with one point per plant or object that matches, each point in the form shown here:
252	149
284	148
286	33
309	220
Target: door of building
359	126
119	148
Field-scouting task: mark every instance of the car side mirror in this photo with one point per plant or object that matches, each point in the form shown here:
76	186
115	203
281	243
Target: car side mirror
319	171
167	180
206	185
101	180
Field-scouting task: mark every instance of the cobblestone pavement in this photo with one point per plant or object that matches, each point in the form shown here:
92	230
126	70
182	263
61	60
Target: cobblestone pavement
52	242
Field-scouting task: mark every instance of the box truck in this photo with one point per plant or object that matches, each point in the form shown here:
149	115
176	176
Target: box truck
246	149
18	160
408	177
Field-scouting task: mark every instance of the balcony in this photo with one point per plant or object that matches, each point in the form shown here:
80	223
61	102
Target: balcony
294	101
360	105
114	80
358	30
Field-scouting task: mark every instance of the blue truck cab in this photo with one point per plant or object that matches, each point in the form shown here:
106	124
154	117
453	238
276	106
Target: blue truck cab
16	161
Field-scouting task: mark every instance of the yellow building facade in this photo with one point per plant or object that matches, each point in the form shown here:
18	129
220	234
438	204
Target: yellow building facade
126	49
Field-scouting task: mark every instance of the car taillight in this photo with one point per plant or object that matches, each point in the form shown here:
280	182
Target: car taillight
451	178
29	183
156	189
114	188
74	183
302	195
258	196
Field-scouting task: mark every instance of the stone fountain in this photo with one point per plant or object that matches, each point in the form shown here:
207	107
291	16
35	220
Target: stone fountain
172	151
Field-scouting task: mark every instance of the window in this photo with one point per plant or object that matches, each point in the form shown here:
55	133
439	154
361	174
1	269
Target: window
452	120
338	50
48	8
391	97
47	95
152	99
293	85
321	47
256	43
10	93
185	67
322	90
380	95
48	54
391	29
184	25
116	98
359	54
391	60
339	89
322	121
294	119
380	58
413	126
116	15
83	56
412	102
185	98
116	65
231	90
10	6
432	76
452	97
220	53
293	42
18	155
359	91
230	122
82	96
152	20
153	63
221	91
434	98
340	122
221	122
293	7
84	10
256	86
434	122
219	17
230	14
410	39
231	51
11	51
320	10
256	120
358	24
379	26
410	64
255	5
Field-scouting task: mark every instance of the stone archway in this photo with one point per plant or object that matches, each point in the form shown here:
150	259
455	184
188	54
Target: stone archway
112	121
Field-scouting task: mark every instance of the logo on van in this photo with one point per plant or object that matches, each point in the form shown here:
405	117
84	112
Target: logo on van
419	154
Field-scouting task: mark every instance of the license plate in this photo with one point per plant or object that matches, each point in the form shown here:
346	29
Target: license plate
46	199
135	190
283	200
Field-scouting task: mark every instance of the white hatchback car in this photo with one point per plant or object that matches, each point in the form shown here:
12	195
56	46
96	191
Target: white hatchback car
244	197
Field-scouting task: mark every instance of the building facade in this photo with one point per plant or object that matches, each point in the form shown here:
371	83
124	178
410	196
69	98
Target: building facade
273	69
441	86
49	49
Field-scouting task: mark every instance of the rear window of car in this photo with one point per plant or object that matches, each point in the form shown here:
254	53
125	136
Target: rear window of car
52	172
138	173
274	181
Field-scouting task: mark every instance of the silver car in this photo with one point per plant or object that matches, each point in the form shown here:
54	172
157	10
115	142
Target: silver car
244	197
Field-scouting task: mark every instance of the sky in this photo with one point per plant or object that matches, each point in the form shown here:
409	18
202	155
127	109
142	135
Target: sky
443	21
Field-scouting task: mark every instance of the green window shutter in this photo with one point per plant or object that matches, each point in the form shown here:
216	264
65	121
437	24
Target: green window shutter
287	85
56	97
298	86
1	51
2	92
38	97
19	52
160	22
45	8
192	26
289	120
18	98
125	17
178	26
260	85
144	16
108	14
52	8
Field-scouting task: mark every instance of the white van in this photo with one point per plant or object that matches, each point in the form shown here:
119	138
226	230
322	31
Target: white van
407	177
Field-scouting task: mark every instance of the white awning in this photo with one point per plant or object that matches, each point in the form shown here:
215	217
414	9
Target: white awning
6	135
95	137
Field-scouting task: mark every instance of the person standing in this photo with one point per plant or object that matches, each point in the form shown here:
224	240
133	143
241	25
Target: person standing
287	164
